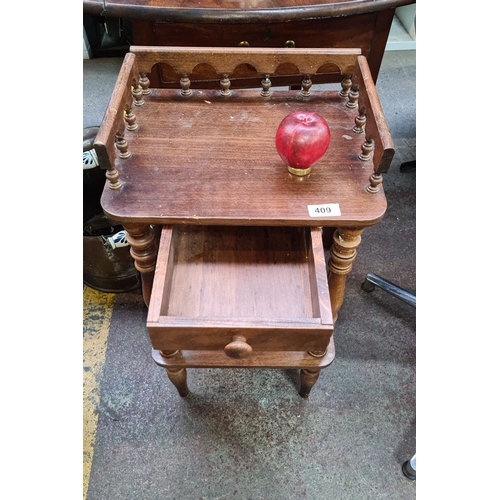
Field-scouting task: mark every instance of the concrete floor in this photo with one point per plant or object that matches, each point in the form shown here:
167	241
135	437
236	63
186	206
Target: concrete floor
246	434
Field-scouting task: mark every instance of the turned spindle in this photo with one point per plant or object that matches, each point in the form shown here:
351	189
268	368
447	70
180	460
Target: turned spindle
122	146
342	254
142	246
375	181
113	177
130	119
138	95
346	86
353	97
225	83
366	150
185	84
360	122
306	85
144	83
266	86
144	251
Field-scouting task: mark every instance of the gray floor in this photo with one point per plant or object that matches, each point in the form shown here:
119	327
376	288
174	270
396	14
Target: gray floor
245	434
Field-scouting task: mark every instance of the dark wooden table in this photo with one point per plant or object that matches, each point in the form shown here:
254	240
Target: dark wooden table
363	24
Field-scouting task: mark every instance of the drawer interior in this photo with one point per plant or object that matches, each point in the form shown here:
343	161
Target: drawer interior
260	281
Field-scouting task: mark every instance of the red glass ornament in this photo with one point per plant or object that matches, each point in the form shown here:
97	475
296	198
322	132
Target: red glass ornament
302	139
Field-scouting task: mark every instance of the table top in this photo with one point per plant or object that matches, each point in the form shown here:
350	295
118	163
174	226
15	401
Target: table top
208	159
234	11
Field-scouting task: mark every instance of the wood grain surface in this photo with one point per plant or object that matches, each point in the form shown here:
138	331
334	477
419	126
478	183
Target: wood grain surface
267	284
208	159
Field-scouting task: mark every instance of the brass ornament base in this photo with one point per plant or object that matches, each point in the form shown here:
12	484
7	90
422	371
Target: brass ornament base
299	171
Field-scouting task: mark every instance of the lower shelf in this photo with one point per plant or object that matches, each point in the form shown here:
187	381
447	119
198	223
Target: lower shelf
262	359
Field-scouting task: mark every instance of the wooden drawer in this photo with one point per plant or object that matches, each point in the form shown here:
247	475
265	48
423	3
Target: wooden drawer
367	32
214	284
332	32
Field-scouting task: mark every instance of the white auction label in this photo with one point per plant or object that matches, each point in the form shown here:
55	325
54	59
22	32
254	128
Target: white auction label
325	210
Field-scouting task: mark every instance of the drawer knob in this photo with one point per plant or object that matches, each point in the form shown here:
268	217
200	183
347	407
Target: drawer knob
243	44
290	44
238	348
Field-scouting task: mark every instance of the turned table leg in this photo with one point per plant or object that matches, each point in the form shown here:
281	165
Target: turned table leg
309	376
307	379
178	376
342	254
143	249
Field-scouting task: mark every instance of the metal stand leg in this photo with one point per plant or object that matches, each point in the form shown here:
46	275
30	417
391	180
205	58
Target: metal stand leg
410	468
408	166
373	280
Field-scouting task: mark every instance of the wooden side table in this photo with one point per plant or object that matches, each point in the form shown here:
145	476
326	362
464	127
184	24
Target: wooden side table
239	278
